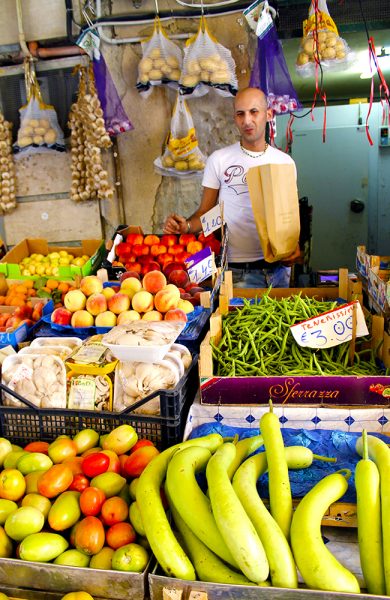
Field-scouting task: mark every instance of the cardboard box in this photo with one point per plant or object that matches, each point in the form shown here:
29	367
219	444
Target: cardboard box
21	333
375	272
9	264
318	390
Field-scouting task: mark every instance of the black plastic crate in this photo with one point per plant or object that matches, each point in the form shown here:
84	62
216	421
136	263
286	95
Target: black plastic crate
24	425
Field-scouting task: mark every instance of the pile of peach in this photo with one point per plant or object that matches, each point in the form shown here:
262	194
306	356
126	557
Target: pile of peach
151	253
152	299
18	293
26	313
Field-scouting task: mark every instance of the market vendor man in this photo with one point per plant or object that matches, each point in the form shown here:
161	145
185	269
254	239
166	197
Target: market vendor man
224	181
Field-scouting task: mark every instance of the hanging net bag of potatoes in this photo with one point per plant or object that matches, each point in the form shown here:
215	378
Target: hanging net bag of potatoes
161	61
7	169
321	43
39	129
207	64
182	156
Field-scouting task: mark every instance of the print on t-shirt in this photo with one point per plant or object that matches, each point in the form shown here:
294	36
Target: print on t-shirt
237	175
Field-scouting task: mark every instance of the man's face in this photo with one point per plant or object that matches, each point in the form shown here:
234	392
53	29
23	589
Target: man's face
251	115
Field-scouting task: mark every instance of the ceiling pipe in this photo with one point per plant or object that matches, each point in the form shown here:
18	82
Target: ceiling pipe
39	52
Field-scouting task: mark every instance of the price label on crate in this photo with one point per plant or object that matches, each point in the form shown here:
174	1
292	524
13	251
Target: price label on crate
330	328
211	220
201	265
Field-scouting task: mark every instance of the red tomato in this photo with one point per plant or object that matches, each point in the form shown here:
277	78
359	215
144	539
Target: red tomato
80	483
120	534
89	535
91	501
140	444
37	447
95	464
55	480
114	510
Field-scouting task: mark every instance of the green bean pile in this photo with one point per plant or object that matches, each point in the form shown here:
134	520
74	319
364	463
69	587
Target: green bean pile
256	341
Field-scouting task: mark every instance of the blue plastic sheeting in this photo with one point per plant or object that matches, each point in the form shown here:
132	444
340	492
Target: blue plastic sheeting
324	442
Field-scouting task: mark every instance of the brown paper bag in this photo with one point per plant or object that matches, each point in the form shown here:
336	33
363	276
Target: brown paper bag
274	196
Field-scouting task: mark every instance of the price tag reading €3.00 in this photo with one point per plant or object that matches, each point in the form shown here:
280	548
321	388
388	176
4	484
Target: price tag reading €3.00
211	220
330	328
201	265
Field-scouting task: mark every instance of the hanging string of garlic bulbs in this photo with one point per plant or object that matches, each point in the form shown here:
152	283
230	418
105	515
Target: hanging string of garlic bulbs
7	168
88	138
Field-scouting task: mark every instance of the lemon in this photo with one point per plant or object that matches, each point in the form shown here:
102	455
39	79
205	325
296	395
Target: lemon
56	271
26	273
31	269
54	255
63	253
64	261
40	270
49	270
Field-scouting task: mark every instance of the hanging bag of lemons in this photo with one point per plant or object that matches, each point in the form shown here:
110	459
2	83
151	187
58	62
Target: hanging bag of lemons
39	129
321	43
181	156
161	61
207	64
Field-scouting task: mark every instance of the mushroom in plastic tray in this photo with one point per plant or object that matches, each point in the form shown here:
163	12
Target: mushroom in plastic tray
39	378
143	341
135	381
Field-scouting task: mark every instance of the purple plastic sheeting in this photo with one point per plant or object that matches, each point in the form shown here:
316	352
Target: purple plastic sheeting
270	74
115	118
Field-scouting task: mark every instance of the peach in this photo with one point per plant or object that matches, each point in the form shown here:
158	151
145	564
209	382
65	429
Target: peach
75	300
179	278
151	239
154	281
61	316
127	316
118	303
193	247
142	301
172	266
175	314
166	299
168	239
152	315
105	319
129	274
82	318
130	286
108	292
171	287
150	266
91	285
185	305
185	238
96	304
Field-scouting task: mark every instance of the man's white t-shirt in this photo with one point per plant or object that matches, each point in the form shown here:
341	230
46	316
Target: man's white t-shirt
226	171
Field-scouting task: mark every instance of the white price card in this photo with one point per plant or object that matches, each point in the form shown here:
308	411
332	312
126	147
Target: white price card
201	265
330	328
211	220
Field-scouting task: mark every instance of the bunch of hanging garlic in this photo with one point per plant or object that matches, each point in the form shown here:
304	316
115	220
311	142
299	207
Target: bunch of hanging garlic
7	168
88	138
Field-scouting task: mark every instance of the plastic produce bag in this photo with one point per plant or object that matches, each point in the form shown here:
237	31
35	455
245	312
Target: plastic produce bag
39	127
270	73
207	64
115	118
161	61
182	156
321	43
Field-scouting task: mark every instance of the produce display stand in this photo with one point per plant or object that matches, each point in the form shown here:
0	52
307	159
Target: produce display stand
374	273
24	425
40	579
308	390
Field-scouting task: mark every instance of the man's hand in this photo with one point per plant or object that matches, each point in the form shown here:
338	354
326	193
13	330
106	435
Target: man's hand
175	224
289	260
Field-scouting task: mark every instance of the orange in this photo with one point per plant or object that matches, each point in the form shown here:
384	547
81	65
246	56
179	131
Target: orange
63	286
52	284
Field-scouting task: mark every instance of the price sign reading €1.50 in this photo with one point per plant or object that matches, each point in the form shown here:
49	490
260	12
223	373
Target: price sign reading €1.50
201	265
330	328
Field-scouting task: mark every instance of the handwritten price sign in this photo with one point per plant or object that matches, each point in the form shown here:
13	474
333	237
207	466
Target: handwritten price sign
201	265
211	220
331	328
